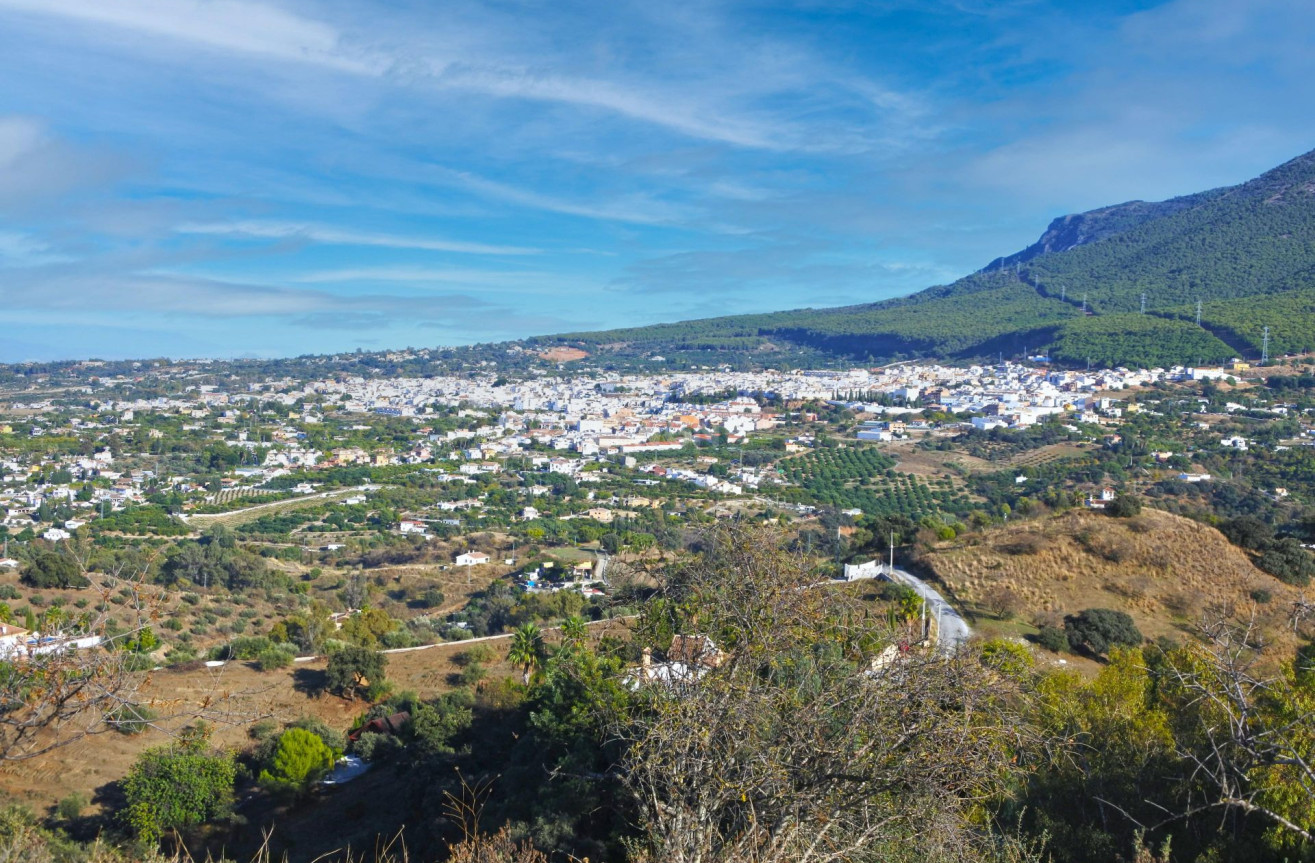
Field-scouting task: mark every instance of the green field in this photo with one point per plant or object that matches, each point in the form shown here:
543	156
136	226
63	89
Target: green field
866	479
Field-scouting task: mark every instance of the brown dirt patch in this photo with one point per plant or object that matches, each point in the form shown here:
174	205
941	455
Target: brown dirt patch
237	695
563	355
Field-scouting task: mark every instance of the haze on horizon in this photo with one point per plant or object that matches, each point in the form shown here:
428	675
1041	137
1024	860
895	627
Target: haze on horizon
273	177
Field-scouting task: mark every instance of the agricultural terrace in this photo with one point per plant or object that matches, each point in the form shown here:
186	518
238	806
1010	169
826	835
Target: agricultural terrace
865	478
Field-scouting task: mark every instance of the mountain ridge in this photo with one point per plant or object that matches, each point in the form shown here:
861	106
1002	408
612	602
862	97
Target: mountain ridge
1114	283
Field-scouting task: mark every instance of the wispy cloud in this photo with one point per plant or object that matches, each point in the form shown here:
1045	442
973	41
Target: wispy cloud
19	136
23	250
345	237
331	173
265	31
238	26
638	209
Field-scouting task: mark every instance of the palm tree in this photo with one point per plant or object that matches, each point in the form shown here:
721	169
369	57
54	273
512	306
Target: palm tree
575	631
910	606
526	650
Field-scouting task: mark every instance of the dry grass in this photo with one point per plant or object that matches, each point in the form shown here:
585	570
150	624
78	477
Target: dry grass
1162	569
231	698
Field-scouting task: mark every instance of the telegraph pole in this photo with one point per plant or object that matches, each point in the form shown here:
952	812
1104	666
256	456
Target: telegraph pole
1198	312
1264	347
1143	302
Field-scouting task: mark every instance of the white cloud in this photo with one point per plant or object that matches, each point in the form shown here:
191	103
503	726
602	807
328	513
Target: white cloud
710	103
19	136
228	25
636	209
661	110
343	237
520	282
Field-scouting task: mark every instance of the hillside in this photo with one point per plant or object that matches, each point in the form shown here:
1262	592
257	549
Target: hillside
1162	569
1077	292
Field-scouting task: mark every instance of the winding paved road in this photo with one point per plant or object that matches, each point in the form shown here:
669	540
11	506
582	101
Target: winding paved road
953	629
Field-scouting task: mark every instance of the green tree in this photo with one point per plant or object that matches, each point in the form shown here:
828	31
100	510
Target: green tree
575	631
50	569
1125	506
1099	629
177	786
368	626
353	668
436	723
300	759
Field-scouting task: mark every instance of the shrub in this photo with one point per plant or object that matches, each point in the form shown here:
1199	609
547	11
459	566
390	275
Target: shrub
472	674
1261	595
131	718
177	786
70	808
274	658
1098	629
332	738
249	647
1053	638
262	729
1125	505
376	747
1006	656
1287	561
476	654
1026	544
1247	531
179	655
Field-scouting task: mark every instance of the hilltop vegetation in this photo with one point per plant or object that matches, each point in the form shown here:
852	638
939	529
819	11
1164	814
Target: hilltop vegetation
1221	247
1290	317
1136	340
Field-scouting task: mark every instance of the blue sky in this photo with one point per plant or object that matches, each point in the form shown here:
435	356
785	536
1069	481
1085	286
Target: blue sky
274	177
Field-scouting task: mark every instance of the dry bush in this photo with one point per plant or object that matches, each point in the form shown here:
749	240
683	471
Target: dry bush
1140	524
1027	544
716	776
1159	557
1116	550
1182	603
1002	601
1043	619
1131	588
498	848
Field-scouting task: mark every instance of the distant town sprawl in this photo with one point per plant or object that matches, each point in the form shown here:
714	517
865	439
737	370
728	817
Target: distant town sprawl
478	425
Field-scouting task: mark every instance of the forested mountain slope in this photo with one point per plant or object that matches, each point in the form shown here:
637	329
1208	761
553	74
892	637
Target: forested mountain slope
1077	292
